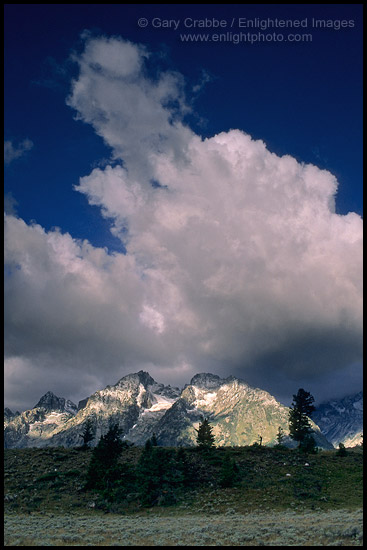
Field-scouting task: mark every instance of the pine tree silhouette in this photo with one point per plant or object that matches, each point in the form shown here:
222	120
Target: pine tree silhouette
205	438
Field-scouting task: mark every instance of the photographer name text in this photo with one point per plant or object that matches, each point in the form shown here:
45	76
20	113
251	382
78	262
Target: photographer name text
244	23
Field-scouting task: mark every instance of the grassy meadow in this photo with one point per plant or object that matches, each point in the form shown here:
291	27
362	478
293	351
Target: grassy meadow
278	497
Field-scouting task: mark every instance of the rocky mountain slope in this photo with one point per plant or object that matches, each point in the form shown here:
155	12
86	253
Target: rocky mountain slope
239	414
136	403
35	427
341	421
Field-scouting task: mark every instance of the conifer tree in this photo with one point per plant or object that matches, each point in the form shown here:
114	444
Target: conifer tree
157	475
87	434
185	470
280	436
308	444
103	468
148	447
229	472
205	438
300	410
342	451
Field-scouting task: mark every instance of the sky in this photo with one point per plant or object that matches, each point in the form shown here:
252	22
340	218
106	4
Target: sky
183	194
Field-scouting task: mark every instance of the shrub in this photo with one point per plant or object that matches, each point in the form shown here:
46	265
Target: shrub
51	476
308	445
342	451
307	486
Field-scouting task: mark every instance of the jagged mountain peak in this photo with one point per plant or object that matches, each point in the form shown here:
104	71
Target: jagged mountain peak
50	402
138	390
35	427
141	377
141	406
206	380
9	413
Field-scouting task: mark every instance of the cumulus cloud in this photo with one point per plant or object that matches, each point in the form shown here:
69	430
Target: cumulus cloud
13	152
137	115
235	263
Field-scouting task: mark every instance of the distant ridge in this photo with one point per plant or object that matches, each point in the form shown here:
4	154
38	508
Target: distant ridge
341	420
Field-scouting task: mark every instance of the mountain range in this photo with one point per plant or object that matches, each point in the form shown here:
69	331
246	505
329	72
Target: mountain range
341	420
238	413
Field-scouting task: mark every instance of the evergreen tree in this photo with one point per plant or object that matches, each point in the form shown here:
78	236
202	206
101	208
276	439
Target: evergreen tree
148	446
205	438
229	472
87	434
300	410
158	476
280	436
186	473
342	451
103	469
308	445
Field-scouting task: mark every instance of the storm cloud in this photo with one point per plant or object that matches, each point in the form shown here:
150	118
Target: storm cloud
236	261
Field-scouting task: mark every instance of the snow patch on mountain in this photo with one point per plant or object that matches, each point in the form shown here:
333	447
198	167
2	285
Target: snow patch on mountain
160	403
239	414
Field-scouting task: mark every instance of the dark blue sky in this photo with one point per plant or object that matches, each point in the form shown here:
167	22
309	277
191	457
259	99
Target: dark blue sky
302	99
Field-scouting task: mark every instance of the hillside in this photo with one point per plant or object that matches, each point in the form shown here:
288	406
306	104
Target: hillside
268	479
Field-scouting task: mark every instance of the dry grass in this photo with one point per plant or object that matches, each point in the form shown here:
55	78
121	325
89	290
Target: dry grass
338	528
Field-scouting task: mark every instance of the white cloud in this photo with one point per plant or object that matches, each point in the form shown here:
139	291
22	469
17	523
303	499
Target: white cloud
237	263
152	319
13	152
128	108
10	203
